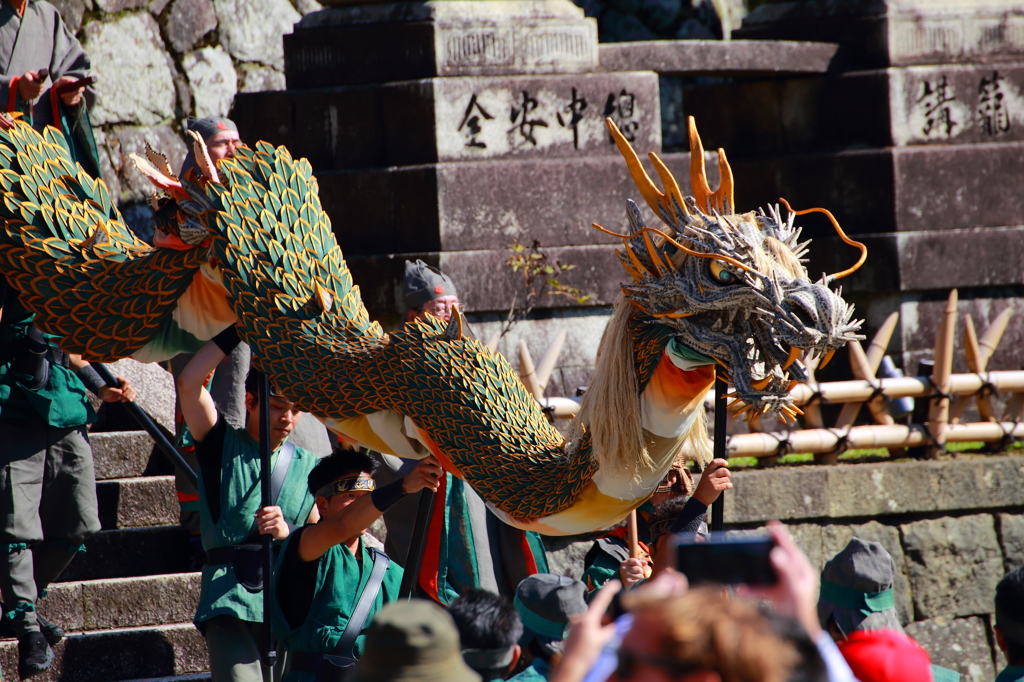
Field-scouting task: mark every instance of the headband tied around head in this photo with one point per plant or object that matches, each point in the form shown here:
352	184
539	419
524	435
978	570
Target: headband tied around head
346	485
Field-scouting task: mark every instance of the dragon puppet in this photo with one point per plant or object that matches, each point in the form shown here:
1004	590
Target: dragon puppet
246	242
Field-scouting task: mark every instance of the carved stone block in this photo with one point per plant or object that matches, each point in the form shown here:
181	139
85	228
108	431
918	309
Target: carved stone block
401	41
896	189
473	118
484	205
878	33
865	109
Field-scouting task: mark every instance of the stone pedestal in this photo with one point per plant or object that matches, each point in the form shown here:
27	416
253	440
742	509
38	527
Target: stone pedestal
914	140
449	131
881	33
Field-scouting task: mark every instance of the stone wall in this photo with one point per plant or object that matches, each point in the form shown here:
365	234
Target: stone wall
953	528
159	61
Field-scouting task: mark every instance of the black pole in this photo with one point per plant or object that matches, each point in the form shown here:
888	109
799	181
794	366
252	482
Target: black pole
718	506
419	541
268	653
148	425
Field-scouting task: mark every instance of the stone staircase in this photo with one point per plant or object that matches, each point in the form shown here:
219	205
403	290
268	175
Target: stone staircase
128	602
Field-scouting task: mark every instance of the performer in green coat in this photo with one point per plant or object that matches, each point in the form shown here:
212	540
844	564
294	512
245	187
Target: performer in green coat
328	584
47	483
230	611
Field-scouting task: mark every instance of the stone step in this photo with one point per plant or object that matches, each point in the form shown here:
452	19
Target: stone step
137	502
121	454
123	654
124	553
122	602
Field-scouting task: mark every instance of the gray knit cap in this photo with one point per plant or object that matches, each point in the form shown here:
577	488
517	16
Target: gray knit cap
424	283
210	126
545	603
857	589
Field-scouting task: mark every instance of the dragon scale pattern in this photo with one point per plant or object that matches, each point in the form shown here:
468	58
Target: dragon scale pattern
248	239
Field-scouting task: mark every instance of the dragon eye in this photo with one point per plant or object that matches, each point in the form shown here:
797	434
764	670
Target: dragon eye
721	275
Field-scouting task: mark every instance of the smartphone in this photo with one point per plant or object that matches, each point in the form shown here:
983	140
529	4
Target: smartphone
80	83
726	560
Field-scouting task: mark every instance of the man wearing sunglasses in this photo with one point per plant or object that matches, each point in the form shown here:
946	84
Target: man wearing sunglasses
328	582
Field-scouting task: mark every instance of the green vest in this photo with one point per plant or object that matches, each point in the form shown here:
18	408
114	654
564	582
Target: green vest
62	403
340	579
220	593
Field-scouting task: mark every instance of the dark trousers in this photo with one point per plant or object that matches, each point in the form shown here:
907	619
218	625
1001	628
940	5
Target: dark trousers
47	509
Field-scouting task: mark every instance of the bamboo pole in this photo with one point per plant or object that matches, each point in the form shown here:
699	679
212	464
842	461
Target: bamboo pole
492	343
938	412
993	335
1004	381
1008	381
547	363
972	353
864	437
812	412
986	347
862	369
1014	408
879	344
527	373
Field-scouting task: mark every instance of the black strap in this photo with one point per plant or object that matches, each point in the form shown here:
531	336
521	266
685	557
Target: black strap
361	612
284	462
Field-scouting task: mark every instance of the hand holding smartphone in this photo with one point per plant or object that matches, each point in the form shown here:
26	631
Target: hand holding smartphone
726	560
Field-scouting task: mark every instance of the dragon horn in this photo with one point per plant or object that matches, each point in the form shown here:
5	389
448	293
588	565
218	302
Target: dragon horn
654	197
698	174
724	192
722	198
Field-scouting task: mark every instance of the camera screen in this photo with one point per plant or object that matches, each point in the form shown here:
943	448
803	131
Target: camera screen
726	561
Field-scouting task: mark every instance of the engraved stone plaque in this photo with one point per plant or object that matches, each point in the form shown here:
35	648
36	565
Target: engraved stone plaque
483	118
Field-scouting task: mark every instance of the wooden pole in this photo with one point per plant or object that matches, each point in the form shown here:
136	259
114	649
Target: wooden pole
150	427
938	412
414	558
268	655
632	539
721	415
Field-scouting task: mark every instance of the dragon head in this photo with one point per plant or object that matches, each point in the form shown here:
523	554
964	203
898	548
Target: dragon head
732	287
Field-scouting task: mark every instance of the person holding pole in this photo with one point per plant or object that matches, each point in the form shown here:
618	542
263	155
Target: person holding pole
474	548
328	583
230	613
